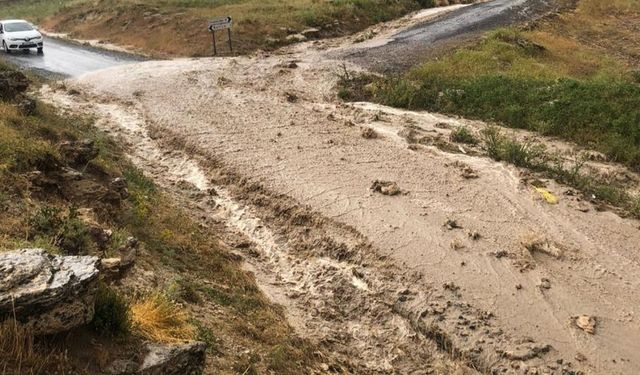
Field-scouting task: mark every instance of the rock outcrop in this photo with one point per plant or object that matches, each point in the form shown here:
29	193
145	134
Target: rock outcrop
187	359
48	293
163	359
78	153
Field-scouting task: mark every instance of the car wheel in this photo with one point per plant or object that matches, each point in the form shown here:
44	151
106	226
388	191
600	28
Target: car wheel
40	51
5	47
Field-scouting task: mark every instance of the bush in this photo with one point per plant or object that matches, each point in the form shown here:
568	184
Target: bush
112	316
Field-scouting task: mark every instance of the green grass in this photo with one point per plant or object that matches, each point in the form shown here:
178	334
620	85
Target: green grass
518	83
463	135
33	10
535	157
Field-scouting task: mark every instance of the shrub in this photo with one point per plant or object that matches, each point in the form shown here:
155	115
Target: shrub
112	315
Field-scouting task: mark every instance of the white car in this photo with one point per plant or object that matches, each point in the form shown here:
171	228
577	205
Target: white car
19	35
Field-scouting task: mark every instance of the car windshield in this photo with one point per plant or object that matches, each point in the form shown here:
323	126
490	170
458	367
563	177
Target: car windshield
17	26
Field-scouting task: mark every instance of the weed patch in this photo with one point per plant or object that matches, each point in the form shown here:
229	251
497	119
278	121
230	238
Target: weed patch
463	135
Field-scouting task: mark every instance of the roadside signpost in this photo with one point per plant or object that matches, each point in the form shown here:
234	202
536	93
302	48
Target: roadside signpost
217	24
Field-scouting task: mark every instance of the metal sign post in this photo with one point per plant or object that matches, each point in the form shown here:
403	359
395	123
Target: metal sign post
220	23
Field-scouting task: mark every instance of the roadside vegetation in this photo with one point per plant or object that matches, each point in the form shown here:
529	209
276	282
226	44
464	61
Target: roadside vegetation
50	199
535	157
179	27
575	76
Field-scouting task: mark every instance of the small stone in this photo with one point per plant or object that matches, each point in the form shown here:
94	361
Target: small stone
586	323
296	38
173	359
385	188
110	263
310	32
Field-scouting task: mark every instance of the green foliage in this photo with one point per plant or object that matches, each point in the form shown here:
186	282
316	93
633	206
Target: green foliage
206	335
534	157
354	87
463	135
142	192
112	314
183	290
603	115
64	230
522	154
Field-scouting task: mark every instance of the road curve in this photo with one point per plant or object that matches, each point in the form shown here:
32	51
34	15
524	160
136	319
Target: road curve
67	59
407	47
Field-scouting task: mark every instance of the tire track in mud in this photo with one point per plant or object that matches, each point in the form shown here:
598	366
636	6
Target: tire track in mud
368	315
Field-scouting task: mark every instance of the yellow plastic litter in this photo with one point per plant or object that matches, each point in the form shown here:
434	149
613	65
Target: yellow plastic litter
547	195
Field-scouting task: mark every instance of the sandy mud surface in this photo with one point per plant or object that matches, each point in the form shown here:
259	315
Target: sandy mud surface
397	257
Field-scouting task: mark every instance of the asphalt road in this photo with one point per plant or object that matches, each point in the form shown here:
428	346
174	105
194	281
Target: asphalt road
67	59
408	47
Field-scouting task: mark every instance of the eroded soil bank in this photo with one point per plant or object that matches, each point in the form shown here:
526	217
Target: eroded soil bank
465	269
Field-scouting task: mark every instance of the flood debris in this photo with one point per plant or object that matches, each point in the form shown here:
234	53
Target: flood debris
546	195
385	188
586	323
368	133
537	244
452	224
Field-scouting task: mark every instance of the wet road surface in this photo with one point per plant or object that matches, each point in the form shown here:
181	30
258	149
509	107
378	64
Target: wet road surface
67	59
407	47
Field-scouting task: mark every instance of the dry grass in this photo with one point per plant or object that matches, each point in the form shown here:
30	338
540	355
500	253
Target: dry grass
178	27
20	353
162	320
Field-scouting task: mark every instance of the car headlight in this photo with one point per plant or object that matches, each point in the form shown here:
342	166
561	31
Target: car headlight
15	39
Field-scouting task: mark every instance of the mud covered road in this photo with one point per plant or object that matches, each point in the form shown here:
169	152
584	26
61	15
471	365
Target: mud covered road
394	256
407	47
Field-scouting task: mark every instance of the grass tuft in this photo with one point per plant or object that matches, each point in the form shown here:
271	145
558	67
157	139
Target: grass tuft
22	352
463	135
158	318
